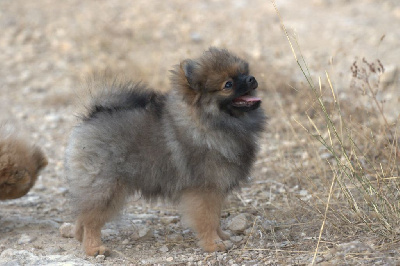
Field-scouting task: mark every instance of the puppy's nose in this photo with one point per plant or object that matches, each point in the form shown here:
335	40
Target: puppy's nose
250	80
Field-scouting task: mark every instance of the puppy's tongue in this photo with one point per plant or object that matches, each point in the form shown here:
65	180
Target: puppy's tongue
247	99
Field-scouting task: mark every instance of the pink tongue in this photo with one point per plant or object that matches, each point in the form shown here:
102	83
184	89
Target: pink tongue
247	98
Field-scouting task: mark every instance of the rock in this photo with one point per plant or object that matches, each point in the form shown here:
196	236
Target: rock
169	259
390	76
67	230
23	257
164	249
109	232
238	223
25	239
196	37
100	258
169	220
236	239
143	233
228	244
326	156
175	238
125	242
269	224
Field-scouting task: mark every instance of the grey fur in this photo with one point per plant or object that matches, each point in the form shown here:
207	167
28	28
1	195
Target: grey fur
161	144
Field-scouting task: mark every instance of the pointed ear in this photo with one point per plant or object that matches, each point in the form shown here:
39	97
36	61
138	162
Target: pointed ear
190	68
40	158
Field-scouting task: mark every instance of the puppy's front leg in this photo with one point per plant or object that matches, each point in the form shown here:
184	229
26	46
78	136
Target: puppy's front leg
201	209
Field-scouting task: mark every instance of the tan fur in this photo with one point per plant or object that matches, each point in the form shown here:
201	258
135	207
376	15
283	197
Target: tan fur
201	210
20	164
192	146
89	224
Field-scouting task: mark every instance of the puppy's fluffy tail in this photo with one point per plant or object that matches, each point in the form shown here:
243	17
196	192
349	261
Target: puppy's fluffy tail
112	96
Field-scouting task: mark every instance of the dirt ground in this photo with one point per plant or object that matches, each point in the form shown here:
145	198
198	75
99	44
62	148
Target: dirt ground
48	48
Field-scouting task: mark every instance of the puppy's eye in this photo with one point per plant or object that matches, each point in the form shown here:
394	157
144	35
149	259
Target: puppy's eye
228	85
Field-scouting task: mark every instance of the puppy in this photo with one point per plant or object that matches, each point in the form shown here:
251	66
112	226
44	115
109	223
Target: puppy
20	164
192	146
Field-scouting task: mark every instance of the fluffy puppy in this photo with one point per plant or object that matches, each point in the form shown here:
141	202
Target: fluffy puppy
20	163
192	145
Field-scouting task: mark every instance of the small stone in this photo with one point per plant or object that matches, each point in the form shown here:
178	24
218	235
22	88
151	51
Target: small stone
67	230
109	232
169	220
238	223
143	233
186	231
228	244
169	259
100	258
25	239
175	238
164	249
269	224
303	192
248	231
236	239
196	37
125	242
390	76
326	156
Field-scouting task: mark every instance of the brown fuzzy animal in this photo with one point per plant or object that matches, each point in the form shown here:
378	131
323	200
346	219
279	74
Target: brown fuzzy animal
192	146
20	164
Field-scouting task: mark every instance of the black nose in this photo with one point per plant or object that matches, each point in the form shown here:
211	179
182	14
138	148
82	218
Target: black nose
250	80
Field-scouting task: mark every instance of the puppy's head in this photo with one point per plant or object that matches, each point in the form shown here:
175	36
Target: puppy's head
20	164
218	81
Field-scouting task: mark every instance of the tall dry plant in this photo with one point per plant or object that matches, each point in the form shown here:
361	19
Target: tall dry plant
362	151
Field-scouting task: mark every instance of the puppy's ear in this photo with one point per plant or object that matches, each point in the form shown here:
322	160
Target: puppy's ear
40	158
190	69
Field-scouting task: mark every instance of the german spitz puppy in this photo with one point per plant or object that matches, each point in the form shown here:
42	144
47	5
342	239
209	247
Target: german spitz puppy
20	163
192	146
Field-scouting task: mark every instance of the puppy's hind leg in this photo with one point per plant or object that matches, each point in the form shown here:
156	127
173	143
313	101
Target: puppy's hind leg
91	219
202	211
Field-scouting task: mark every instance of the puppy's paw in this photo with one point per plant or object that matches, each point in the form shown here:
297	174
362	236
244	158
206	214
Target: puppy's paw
100	250
213	245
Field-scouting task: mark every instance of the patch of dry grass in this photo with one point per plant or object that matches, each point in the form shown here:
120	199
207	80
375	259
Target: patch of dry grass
338	158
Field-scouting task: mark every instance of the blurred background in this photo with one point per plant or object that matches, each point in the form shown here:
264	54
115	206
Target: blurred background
49	48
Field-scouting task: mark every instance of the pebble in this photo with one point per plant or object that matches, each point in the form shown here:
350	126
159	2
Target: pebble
143	233
25	239
169	220
100	258
228	244
163	249
169	259
125	242
109	232
269	224
238	223
236	239
196	37
390	76
23	257
67	230
326	155
175	238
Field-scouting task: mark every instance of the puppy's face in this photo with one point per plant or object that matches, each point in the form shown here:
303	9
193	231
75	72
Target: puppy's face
220	81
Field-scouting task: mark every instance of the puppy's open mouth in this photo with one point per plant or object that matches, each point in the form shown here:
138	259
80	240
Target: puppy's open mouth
246	100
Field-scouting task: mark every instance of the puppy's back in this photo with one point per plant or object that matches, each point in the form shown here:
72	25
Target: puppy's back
116	97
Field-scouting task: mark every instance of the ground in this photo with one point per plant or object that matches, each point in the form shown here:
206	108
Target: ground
48	48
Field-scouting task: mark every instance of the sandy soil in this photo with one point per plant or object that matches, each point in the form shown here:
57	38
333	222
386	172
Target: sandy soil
48	48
